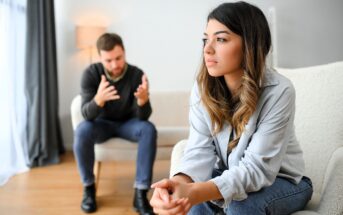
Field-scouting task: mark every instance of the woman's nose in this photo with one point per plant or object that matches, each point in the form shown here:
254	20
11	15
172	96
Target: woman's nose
208	47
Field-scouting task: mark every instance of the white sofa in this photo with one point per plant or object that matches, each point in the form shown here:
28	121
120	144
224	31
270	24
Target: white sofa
170	115
319	128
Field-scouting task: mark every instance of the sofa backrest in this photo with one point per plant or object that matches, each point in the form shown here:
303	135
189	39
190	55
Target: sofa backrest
318	118
169	109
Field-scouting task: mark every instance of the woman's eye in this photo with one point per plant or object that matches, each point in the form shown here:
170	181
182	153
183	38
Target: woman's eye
221	40
204	41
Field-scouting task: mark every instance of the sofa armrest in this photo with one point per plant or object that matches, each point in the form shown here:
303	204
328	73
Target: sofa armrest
76	115
176	156
332	193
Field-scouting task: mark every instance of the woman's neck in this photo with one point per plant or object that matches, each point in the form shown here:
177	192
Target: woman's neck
233	80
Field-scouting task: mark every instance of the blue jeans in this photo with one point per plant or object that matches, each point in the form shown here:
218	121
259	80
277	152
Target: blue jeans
97	131
281	198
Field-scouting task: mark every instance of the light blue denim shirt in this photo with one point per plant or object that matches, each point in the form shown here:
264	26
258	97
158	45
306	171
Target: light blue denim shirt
267	148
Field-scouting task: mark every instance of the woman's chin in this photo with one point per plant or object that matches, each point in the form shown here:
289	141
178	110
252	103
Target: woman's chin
214	73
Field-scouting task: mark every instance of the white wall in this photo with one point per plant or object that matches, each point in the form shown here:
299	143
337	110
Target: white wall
164	38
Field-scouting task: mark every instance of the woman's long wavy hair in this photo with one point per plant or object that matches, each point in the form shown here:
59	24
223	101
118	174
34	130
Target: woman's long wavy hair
250	23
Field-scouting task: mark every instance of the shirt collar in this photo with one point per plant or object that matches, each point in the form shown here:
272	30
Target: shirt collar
117	78
269	78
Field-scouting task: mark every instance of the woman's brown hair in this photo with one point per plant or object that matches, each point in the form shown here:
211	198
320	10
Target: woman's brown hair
250	23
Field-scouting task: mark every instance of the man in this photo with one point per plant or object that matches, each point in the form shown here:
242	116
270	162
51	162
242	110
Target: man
115	103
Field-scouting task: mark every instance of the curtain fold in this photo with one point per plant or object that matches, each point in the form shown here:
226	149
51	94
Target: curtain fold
13	153
43	126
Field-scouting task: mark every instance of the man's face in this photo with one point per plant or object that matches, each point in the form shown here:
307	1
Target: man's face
113	60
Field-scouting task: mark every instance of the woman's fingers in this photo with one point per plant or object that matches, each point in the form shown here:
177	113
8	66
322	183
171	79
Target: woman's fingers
164	183
177	209
161	200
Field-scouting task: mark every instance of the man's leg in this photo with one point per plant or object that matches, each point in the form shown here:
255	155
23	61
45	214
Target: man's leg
86	134
144	132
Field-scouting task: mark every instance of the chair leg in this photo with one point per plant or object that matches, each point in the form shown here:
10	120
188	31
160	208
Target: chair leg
97	170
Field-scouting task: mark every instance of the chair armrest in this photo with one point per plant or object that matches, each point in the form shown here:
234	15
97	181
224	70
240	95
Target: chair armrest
176	156
76	115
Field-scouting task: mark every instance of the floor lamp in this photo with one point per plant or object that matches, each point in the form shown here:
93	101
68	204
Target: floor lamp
86	37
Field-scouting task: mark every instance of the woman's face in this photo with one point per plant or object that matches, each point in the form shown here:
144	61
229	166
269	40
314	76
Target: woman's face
223	52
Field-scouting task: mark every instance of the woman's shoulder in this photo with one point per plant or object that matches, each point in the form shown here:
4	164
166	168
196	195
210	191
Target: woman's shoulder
276	82
195	93
278	91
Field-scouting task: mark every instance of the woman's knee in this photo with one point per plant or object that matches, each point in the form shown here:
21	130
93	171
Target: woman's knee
246	207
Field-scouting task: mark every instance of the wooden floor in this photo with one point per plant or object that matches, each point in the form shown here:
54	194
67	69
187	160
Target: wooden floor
57	189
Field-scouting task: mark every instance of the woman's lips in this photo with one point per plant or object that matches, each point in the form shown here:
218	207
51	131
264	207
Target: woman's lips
211	62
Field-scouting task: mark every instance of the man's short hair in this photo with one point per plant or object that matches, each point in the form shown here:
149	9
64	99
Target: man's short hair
108	41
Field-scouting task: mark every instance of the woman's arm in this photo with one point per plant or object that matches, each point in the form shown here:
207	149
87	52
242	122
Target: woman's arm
199	155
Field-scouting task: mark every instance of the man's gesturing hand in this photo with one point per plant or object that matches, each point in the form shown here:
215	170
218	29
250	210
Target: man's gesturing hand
105	92
142	92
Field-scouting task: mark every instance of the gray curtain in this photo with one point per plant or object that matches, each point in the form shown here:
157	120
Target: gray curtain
43	126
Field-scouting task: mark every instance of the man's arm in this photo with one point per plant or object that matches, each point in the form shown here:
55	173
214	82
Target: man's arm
106	92
95	93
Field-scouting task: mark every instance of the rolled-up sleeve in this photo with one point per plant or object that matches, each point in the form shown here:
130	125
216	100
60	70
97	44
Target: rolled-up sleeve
199	155
263	157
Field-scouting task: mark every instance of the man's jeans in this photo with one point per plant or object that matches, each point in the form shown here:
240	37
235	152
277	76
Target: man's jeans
281	198
99	130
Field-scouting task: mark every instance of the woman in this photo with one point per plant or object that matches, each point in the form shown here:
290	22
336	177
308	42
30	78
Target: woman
242	156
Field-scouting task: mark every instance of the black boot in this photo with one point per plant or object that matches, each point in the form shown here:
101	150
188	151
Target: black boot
141	203
88	204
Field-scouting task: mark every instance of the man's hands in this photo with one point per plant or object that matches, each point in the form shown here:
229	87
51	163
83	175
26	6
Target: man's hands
105	92
142	92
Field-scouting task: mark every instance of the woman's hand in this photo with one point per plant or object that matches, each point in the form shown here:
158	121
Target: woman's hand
171	197
177	195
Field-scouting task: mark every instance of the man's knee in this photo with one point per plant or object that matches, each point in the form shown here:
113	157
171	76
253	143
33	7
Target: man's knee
84	129
83	134
148	128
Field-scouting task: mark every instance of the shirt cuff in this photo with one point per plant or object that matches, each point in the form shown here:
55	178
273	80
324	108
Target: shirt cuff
225	190
94	106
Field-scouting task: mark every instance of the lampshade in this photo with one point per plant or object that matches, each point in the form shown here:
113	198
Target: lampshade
86	36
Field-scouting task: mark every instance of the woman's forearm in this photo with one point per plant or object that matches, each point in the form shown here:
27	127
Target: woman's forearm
199	191
203	192
180	177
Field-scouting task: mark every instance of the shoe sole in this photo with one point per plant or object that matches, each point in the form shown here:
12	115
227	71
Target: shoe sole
88	211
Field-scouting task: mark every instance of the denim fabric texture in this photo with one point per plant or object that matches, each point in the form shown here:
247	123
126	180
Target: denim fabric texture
281	198
97	131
